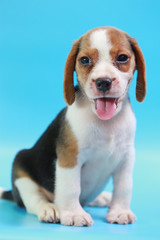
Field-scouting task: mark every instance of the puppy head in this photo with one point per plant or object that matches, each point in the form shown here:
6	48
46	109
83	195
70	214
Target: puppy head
105	59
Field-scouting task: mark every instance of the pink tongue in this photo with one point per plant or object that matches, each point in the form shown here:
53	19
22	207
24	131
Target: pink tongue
105	108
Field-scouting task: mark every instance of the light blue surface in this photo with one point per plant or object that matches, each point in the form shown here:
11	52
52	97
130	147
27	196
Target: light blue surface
35	38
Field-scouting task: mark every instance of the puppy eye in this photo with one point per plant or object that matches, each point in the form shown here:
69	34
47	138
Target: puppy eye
122	58
85	61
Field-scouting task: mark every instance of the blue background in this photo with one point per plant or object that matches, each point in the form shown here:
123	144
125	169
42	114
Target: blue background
35	39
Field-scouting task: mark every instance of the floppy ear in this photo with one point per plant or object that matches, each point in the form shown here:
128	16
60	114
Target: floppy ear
68	85
140	66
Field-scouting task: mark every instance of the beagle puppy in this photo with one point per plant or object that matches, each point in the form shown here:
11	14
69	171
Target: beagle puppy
90	141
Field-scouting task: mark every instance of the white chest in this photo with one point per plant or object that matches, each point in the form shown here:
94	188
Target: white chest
101	145
99	159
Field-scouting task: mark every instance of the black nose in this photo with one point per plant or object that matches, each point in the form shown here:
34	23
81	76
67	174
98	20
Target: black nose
103	84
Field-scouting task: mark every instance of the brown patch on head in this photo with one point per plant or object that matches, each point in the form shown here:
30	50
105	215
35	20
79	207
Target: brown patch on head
83	71
67	148
121	45
85	51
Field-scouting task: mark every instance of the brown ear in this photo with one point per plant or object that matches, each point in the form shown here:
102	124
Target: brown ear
141	78
68	85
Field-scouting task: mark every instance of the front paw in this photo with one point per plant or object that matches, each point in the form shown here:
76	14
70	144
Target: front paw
80	218
47	212
120	216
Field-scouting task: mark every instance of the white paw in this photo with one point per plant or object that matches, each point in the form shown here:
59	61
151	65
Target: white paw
48	213
76	218
103	200
120	216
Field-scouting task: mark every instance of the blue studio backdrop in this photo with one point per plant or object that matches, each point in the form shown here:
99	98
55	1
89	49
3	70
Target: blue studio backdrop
35	39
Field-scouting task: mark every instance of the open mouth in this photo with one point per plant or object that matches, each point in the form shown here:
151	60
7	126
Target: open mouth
105	107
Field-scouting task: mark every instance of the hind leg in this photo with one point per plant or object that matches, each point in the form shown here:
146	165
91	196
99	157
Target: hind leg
35	200
103	200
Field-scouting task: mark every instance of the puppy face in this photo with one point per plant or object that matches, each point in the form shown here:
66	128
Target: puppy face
105	61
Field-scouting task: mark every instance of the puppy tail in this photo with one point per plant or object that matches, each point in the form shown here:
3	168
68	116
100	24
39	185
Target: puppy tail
7	195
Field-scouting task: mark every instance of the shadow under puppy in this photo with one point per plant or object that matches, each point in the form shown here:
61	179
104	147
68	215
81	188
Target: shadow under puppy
91	140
